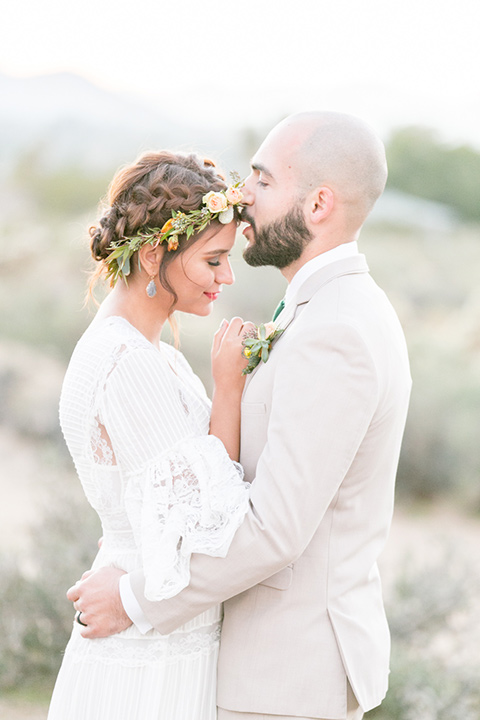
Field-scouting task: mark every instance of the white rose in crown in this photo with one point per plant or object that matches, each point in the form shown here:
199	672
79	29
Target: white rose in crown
226	216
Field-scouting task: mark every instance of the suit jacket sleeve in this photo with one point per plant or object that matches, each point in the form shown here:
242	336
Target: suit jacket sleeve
325	392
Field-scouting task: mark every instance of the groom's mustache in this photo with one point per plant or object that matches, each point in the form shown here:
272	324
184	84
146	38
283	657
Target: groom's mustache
247	218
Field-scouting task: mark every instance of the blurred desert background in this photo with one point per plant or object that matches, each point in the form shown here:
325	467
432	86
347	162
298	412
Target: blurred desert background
64	132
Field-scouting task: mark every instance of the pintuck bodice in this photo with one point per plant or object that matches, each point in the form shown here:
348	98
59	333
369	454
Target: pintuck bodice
136	421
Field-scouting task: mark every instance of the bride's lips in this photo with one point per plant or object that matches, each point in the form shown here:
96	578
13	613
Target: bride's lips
212	296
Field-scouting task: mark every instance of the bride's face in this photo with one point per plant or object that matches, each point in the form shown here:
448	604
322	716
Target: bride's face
198	274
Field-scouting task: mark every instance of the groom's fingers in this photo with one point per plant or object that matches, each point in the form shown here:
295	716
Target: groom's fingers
73	593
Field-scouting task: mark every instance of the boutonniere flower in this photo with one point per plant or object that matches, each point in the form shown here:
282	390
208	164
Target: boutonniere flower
257	347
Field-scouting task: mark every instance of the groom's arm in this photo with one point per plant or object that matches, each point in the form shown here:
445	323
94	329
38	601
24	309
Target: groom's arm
324	396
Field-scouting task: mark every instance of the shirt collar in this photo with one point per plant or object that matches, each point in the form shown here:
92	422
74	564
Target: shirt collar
340	252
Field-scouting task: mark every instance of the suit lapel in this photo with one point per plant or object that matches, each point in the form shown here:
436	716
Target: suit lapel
348	266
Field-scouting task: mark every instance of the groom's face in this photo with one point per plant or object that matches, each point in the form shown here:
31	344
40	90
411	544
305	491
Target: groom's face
277	233
279	242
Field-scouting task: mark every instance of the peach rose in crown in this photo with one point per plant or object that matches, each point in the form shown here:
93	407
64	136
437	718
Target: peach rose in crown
216	202
233	195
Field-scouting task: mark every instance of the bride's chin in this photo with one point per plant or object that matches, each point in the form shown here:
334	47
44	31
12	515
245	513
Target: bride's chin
203	311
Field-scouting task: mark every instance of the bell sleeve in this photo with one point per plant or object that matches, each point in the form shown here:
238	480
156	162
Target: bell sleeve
182	492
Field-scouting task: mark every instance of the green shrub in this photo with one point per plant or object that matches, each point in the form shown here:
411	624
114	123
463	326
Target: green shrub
435	666
36	616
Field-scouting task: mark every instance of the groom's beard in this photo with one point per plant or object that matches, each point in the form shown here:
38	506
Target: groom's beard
279	243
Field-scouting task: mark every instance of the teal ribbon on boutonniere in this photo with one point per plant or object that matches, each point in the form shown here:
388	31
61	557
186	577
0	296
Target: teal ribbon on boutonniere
278	309
256	347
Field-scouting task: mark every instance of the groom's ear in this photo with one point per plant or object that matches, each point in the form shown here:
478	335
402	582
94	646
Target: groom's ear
320	204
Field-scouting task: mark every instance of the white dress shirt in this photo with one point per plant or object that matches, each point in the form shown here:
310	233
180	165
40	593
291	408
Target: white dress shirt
338	253
129	601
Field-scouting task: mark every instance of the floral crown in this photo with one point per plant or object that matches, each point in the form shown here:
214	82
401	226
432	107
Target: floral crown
216	205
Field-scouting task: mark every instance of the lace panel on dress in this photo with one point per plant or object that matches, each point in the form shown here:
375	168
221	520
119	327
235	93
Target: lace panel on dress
191	499
135	652
101	445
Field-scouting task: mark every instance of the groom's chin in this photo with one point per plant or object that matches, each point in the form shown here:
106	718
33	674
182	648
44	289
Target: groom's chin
251	257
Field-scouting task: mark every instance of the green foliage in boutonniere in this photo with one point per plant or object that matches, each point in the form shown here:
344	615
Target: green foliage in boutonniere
257	347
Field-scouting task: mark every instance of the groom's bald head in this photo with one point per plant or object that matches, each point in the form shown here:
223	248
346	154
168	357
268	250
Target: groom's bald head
336	150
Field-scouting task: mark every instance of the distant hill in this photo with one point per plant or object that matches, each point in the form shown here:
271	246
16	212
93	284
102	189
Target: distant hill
73	120
53	121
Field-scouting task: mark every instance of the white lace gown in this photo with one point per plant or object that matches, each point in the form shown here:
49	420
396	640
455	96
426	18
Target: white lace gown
135	419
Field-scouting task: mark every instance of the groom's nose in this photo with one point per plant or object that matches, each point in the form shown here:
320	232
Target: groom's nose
247	190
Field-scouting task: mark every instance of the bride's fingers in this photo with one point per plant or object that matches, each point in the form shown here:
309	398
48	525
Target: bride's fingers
235	326
218	337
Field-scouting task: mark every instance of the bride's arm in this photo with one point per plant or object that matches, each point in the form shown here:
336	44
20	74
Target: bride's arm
170	475
227	365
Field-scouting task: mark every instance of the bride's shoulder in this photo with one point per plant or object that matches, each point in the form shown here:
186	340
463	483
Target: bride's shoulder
109	341
113	331
175	357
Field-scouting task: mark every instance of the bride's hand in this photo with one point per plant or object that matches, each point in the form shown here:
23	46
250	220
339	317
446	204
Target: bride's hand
228	360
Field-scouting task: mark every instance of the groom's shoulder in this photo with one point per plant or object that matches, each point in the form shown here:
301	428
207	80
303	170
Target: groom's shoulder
352	301
325	278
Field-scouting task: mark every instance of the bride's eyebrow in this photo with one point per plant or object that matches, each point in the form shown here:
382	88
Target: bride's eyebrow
216	252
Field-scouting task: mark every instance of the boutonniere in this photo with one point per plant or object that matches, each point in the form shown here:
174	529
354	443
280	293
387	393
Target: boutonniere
257	347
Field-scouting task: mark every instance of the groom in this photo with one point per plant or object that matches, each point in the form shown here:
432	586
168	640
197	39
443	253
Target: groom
304	634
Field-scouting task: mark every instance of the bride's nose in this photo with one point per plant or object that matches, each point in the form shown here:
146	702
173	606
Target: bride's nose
224	275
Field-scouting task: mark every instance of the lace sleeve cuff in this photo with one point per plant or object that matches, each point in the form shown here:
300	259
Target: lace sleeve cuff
191	500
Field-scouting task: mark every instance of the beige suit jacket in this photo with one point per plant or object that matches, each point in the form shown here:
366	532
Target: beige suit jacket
322	423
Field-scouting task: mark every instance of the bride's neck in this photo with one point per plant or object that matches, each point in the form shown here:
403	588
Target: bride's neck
147	315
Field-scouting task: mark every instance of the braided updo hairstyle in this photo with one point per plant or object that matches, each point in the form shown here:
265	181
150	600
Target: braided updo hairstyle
143	195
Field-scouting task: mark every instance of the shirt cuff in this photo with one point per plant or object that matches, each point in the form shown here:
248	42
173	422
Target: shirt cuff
132	607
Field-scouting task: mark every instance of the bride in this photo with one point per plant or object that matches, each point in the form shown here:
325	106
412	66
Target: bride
156	459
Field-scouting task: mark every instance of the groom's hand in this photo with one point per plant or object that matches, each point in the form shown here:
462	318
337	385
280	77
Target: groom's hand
97	598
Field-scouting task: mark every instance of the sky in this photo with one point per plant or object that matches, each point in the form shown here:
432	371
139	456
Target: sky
249	63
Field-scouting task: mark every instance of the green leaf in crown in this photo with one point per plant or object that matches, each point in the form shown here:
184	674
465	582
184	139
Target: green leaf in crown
216	206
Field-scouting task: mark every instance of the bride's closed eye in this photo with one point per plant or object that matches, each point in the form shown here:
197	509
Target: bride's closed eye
216	260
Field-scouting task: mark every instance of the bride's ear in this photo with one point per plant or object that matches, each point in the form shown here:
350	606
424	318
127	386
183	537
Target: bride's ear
150	258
